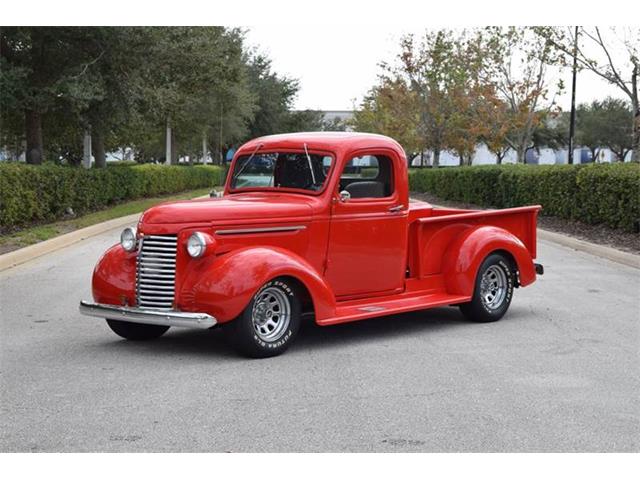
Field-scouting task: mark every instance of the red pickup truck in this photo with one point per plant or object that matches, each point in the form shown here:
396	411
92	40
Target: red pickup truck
309	223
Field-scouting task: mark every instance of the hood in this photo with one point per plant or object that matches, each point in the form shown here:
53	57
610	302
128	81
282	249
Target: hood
245	206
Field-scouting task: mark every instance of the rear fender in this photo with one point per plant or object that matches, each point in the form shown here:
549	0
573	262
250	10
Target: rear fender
223	286
463	257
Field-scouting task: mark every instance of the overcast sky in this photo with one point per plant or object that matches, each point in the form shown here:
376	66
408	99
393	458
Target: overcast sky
338	64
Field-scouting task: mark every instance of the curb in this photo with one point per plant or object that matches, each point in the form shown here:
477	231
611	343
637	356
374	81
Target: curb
23	255
17	257
609	253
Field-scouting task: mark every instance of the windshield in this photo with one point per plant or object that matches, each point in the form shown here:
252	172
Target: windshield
281	170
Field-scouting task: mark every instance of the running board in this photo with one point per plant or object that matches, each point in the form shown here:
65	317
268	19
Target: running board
353	310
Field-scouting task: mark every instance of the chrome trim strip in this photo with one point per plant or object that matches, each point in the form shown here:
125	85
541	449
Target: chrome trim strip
168	318
238	231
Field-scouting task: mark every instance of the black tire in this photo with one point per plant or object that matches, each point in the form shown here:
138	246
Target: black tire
496	270
136	331
254	339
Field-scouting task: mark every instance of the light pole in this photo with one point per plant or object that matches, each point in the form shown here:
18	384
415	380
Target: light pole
572	121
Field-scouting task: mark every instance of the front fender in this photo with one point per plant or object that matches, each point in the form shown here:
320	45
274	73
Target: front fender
114	277
463	257
223	286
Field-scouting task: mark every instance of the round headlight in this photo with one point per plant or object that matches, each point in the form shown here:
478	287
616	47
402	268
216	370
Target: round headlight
128	239
196	245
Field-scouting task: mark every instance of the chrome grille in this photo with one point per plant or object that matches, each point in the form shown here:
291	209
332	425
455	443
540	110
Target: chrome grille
156	272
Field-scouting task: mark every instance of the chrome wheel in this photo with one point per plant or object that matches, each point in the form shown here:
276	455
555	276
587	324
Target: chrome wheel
271	314
493	287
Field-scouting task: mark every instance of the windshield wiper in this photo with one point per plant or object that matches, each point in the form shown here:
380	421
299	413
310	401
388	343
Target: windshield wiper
237	174
313	175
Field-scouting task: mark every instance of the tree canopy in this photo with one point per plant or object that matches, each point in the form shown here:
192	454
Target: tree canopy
126	85
452	90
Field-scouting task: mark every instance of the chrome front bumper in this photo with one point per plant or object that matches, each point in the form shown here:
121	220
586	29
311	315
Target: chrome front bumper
168	318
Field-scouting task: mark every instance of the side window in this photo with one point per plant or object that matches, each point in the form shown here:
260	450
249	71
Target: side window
368	176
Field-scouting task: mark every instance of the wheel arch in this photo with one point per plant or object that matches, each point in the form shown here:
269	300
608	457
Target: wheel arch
464	256
226	284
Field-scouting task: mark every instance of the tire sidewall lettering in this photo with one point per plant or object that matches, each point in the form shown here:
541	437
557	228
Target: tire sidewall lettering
510	285
287	336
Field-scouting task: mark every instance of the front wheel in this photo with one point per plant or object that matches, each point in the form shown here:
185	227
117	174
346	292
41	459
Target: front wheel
270	322
493	290
136	331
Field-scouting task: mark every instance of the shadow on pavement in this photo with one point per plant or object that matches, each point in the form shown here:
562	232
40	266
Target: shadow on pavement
211	343
378	329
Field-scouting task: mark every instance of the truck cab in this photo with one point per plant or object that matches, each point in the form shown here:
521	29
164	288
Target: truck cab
317	223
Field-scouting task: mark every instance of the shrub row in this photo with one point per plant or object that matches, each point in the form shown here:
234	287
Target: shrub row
594	193
30	194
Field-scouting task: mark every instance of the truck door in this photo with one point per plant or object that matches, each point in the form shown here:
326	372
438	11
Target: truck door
368	234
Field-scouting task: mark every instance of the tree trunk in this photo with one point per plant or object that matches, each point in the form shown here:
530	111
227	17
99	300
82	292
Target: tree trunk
168	143
521	154
86	149
204	149
635	156
436	158
97	147
33	131
174	149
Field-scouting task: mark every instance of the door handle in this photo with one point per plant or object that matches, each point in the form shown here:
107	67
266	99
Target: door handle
395	209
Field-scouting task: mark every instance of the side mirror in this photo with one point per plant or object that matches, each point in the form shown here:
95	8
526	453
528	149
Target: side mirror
345	196
216	193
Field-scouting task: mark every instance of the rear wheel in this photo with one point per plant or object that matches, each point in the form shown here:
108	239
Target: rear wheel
136	331
270	322
493	290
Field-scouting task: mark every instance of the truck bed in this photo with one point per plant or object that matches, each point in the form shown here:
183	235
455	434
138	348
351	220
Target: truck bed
431	231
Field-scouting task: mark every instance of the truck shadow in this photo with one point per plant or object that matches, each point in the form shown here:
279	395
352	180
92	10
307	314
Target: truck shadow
382	329
378	329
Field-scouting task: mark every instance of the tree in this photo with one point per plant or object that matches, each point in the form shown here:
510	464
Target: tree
336	124
623	73
494	119
551	132
588	127
196	84
606	123
524	86
429	70
391	109
616	126
274	97
42	66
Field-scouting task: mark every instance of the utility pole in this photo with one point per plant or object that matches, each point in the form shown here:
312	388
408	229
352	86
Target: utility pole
572	121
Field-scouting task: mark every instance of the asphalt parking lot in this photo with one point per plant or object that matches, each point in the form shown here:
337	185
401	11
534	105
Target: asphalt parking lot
561	372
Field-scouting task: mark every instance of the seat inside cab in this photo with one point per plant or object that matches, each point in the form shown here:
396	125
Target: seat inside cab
369	176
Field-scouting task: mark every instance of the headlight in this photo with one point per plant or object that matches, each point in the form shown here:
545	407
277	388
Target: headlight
128	239
196	245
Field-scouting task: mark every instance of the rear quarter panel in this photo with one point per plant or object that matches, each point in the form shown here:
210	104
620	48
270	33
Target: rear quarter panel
454	243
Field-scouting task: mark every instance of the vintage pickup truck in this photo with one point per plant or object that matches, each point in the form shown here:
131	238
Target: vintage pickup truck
310	225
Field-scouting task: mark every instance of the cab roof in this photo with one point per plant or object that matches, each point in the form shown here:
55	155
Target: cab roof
332	141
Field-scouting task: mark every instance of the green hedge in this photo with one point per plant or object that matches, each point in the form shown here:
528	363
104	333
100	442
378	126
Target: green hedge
30	193
594	193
